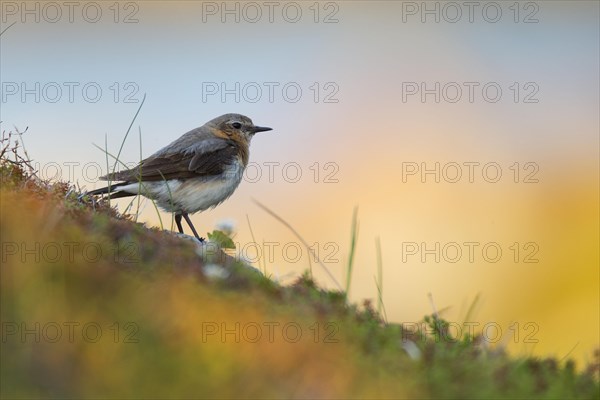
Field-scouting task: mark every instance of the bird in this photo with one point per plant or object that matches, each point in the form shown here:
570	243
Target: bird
196	172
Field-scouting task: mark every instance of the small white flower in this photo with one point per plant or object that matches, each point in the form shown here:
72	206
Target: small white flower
411	349
226	226
215	272
277	277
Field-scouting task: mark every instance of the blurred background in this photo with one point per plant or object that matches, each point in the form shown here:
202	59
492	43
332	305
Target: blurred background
466	135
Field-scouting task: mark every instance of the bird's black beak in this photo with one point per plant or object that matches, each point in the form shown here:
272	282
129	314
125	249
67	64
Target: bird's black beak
261	129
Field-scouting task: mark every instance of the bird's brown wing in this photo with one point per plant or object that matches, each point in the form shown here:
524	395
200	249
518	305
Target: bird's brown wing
204	161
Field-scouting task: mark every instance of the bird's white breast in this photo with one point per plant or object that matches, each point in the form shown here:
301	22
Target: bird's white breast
191	195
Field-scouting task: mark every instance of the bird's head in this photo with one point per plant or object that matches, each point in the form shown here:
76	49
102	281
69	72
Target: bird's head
236	127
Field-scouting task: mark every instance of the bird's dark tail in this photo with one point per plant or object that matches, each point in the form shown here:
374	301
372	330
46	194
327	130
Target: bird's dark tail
113	190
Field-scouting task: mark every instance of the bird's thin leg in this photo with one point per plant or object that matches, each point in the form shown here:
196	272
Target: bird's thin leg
189	221
178	222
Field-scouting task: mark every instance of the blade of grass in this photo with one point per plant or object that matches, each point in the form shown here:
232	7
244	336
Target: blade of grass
129	129
379	275
110	154
382	305
137	212
107	165
120	150
568	353
310	250
433	307
138	197
26	159
471	310
264	265
353	238
5	29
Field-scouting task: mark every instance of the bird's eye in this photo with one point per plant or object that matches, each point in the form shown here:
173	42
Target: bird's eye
236	125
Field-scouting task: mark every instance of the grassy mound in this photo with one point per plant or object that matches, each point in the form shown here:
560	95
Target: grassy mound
94	305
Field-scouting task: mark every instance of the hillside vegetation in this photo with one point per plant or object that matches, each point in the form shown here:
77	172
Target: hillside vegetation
95	305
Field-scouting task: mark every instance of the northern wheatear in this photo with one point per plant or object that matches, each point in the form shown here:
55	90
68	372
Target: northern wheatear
195	172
